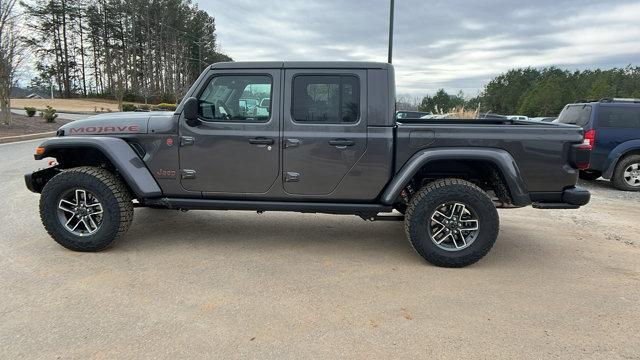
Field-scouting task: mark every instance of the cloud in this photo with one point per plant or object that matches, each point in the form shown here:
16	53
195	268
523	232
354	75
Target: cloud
455	44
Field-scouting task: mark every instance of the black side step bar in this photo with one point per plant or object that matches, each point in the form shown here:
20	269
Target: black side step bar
537	205
304	207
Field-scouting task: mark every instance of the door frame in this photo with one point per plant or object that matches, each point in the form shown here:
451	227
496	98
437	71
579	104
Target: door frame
327	129
238	126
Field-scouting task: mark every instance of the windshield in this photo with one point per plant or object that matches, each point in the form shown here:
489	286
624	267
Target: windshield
576	115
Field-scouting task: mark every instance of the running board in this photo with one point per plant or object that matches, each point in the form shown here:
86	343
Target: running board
554	206
303	207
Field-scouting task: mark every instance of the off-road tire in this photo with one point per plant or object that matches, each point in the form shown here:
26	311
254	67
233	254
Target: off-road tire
427	200
589	175
618	174
113	195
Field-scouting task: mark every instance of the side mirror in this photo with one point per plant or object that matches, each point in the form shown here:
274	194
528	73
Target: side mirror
190	110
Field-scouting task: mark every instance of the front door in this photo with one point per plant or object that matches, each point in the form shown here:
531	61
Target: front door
235	147
324	128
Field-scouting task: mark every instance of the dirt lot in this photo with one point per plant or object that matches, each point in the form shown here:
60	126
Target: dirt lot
22	125
81	105
557	284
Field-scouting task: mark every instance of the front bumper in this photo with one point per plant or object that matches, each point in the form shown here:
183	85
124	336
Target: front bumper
36	180
572	198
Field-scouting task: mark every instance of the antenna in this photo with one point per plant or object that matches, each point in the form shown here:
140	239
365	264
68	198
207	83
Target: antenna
391	6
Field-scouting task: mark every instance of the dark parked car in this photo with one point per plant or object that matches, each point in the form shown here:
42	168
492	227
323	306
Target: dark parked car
612	134
405	114
327	141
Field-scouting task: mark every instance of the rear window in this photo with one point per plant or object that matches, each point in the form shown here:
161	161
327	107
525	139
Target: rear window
619	117
575	115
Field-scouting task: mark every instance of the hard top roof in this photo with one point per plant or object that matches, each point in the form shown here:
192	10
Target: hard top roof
301	65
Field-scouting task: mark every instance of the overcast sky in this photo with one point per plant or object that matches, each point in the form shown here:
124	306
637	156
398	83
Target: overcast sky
456	45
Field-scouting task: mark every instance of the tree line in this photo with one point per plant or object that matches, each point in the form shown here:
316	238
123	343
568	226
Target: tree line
536	92
10	56
131	50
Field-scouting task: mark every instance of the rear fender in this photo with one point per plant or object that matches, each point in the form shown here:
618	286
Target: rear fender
118	152
500	158
618	153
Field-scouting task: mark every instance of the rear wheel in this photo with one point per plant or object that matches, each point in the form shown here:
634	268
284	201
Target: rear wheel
451	223
85	208
589	175
626	175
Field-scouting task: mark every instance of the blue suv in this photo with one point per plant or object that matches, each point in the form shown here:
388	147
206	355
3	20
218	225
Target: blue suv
612	133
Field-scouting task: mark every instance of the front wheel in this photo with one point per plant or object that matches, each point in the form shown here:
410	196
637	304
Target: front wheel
451	223
85	208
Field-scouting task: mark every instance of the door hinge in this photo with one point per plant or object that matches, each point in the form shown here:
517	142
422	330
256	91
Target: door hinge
187	140
290	176
188	174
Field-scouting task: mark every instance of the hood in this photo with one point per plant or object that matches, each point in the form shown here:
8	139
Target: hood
113	123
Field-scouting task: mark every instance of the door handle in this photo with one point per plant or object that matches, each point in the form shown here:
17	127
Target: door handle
261	141
341	143
291	143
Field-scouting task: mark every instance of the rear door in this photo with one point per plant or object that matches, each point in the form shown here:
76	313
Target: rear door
235	147
325	129
615	124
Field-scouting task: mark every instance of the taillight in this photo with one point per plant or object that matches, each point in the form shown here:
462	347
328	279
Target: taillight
589	141
581	154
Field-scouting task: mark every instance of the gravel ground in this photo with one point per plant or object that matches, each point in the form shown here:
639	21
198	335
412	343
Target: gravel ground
557	284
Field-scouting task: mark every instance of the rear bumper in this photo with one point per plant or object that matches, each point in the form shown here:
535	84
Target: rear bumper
572	198
576	196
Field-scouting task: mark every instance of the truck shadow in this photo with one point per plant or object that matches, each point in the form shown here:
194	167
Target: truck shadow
347	237
214	230
599	184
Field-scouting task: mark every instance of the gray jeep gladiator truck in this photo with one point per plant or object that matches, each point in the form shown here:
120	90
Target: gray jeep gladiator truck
311	137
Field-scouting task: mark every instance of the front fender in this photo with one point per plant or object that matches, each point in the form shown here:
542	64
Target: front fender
501	158
616	154
121	155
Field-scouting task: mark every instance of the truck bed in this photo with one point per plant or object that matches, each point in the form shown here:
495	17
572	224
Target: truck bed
543	147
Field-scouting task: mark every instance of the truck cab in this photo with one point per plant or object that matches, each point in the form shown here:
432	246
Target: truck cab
314	139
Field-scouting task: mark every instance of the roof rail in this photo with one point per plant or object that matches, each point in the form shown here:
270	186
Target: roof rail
620	100
585	101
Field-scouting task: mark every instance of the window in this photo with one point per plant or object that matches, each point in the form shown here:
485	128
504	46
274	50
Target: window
326	99
619	117
576	115
236	98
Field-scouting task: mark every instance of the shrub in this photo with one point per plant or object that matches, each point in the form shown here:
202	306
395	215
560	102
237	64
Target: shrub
144	107
129	96
166	107
129	107
31	111
166	98
49	114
